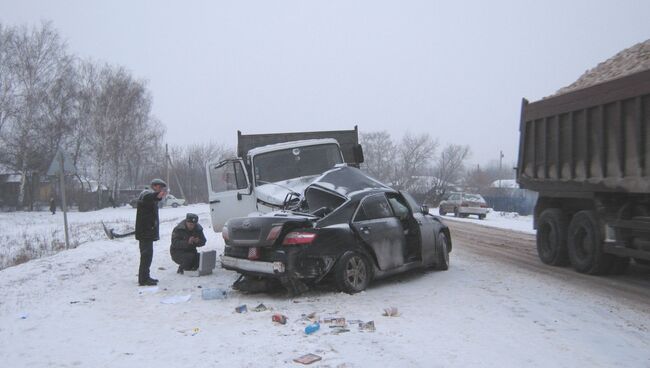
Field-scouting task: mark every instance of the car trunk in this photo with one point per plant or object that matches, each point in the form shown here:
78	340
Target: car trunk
264	231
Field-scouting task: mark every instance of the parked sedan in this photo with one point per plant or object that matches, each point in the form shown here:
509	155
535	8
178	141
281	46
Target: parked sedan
349	228
463	205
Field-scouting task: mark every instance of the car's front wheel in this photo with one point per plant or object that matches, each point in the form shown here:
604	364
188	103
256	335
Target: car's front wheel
442	252
174	205
353	272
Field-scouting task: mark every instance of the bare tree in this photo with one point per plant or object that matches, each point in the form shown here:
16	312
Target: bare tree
414	158
448	170
380	154
39	60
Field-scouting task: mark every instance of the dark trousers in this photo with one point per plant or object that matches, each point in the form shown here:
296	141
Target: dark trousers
187	260
146	256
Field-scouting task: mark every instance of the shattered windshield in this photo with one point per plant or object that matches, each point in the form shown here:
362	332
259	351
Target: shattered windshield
296	162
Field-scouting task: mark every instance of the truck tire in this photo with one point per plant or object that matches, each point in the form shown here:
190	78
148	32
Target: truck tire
353	272
585	243
442	252
552	237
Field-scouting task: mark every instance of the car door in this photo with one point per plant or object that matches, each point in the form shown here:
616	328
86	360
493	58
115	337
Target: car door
229	192
378	227
427	230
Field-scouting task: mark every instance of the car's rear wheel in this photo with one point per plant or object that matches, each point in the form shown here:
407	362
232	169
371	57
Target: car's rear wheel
353	272
442	252
174	205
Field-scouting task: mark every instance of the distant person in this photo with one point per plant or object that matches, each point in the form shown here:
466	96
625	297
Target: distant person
146	227
52	205
111	200
186	237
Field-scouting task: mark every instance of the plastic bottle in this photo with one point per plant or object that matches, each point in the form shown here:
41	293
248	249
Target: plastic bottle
312	328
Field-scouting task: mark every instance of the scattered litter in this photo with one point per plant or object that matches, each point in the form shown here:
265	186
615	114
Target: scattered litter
307	359
308	317
355	321
176	299
260	308
148	290
23	316
190	332
310	329
241	309
367	326
339	330
391	312
279	318
209	294
335	322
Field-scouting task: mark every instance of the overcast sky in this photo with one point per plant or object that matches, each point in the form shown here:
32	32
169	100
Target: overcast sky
456	69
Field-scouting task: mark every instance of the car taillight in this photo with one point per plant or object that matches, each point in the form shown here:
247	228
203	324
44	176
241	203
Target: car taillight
224	233
274	233
298	238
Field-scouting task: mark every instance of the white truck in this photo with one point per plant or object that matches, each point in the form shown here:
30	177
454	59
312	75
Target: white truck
272	170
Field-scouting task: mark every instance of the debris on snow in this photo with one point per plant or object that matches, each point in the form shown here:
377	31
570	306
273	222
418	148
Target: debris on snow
307	359
176	299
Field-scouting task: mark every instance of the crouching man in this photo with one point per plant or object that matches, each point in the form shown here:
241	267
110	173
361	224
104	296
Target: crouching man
186	237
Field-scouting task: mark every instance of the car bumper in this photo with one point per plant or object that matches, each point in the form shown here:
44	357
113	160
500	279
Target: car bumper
260	267
472	210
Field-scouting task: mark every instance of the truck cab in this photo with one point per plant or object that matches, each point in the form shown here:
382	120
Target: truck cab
269	177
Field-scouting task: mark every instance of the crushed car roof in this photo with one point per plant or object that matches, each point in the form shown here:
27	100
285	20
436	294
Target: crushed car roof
348	181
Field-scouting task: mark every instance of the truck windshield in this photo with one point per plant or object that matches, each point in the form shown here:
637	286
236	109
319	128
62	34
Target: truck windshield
296	162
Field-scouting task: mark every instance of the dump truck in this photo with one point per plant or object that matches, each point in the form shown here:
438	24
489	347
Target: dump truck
587	154
271	171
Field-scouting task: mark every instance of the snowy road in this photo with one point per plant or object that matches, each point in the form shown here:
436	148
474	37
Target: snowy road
82	308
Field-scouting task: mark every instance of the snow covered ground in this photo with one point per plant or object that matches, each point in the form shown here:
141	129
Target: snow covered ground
502	220
82	307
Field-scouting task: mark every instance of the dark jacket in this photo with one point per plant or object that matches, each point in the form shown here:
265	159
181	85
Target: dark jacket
181	235
146	220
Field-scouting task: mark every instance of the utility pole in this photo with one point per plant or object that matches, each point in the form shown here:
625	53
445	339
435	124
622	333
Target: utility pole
189	178
64	204
500	166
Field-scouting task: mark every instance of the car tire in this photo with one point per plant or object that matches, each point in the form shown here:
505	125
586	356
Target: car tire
174	205
481	217
551	237
585	244
353	272
441	211
442	252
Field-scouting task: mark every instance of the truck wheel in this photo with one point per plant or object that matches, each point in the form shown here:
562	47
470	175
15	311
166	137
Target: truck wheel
619	266
551	237
353	273
481	217
441	211
442	252
585	243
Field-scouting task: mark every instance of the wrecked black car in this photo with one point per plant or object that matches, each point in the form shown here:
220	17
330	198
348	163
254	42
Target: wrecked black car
347	227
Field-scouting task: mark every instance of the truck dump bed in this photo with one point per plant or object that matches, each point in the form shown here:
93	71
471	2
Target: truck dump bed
347	139
595	139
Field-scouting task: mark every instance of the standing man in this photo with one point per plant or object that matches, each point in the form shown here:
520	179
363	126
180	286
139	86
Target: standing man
52	205
186	237
146	227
